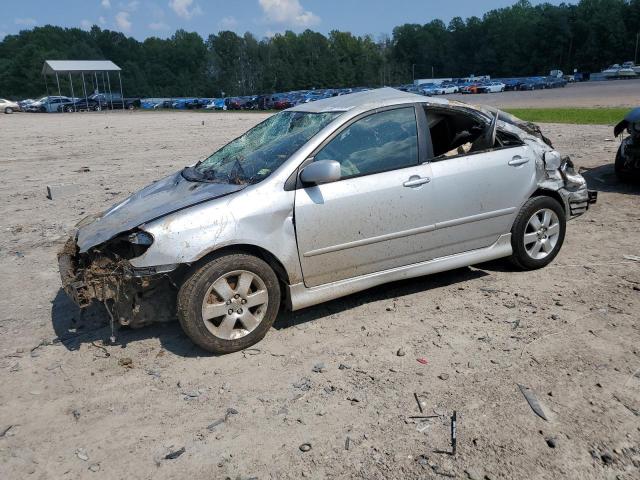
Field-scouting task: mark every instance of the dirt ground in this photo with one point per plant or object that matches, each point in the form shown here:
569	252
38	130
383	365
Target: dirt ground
74	406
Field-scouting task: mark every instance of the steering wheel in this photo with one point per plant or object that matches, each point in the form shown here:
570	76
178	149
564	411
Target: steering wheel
488	138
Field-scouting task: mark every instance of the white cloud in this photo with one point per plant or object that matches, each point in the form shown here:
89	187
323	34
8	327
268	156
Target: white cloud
184	8
86	24
228	23
3	34
158	26
288	12
123	22
102	20
105	4
27	22
131	6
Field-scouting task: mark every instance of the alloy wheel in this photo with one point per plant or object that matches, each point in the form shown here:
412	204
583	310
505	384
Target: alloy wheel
542	233
235	304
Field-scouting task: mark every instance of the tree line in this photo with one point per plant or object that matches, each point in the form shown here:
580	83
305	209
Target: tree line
519	40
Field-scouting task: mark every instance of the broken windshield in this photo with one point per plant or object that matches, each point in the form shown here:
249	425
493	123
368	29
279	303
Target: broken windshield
255	155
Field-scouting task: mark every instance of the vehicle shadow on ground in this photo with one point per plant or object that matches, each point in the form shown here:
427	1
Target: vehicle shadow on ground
73	328
388	291
603	179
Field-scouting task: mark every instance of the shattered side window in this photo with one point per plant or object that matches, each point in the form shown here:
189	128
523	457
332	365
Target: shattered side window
258	153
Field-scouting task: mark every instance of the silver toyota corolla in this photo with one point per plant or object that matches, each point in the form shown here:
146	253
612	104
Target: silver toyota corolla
320	201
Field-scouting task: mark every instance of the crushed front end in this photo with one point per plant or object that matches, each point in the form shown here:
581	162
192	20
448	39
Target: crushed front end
134	297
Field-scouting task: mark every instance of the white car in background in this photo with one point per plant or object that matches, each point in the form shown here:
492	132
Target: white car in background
493	87
7	106
447	89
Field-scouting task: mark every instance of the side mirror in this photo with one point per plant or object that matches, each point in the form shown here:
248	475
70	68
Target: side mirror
322	171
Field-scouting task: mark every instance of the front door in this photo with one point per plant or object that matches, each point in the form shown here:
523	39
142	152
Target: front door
380	214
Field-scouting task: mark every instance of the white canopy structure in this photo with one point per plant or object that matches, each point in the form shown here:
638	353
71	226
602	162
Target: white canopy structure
82	67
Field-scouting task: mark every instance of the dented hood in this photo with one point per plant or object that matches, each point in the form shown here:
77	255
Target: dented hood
165	196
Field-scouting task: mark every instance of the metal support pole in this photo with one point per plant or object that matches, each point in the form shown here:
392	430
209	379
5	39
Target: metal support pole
104	87
58	82
73	95
635	57
46	84
110	94
97	85
121	92
84	90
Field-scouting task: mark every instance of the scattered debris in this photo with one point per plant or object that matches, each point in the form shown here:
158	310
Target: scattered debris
423	361
94	467
5	430
305	447
533	401
418	402
81	453
400	352
175	454
342	366
347	443
303	384
105	354
212	426
319	368
251	352
443	376
633	258
551	442
76	414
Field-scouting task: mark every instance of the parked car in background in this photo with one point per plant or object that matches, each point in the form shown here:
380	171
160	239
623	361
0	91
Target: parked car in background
534	83
216	104
7	106
48	104
215	244
492	87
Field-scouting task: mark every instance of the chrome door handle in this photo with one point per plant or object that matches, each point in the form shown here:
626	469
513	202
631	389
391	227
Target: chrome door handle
517	161
415	181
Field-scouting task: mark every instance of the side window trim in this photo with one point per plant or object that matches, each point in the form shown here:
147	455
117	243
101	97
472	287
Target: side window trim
346	125
425	145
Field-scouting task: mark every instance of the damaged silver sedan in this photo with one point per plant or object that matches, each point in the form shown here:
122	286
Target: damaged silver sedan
320	201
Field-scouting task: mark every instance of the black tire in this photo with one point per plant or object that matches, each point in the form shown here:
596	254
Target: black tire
520	257
69	109
195	287
8	110
624	174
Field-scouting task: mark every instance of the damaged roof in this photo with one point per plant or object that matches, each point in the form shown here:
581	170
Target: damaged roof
380	97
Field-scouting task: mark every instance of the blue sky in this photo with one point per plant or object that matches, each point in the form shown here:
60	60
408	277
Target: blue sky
145	18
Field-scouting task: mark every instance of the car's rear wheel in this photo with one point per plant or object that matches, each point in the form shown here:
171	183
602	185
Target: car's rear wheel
8	110
538	233
97	108
229	303
69	109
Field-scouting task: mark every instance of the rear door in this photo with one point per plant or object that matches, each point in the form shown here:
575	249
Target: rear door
380	215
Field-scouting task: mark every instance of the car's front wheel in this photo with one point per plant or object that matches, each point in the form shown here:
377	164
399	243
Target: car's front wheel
8	110
538	233
229	303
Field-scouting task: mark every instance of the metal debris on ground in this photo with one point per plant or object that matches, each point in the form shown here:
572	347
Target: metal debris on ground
418	402
533	401
175	454
305	447
104	350
347	443
633	258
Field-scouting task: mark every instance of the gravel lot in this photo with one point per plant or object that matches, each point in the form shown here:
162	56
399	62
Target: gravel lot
72	406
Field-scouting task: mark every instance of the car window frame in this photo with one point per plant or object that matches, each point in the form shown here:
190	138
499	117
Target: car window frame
468	154
422	144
